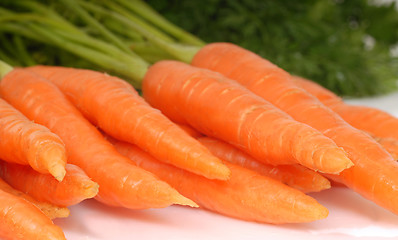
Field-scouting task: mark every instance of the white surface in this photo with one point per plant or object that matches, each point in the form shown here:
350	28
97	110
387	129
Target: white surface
351	217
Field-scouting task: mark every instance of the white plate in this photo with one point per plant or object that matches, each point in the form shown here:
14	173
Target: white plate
350	216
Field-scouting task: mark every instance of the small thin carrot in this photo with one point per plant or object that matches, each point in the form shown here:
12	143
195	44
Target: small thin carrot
115	106
218	107
50	210
121	182
374	172
28	143
21	220
377	122
246	195
295	176
75	187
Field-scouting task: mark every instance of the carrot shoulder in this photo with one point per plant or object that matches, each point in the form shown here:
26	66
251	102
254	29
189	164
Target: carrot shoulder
28	143
50	210
246	195
377	122
121	182
218	107
75	187
20	220
295	176
115	106
374	172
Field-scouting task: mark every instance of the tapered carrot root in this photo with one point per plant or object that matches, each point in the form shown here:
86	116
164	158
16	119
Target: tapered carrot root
372	120
295	176
48	209
114	106
121	182
75	187
218	107
390	145
246	195
374	173
28	143
21	220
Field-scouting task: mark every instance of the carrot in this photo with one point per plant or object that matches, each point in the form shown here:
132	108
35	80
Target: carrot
374	172
390	145
107	100
372	120
190	131
217	107
295	176
28	143
21	220
121	182
75	187
246	195
48	209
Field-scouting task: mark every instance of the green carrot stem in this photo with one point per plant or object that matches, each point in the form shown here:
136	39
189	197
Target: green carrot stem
117	28
135	72
8	59
145	11
22	52
4	69
113	6
94	23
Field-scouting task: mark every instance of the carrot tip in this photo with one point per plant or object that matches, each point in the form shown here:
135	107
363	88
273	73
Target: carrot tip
336	162
181	200
221	172
91	189
58	171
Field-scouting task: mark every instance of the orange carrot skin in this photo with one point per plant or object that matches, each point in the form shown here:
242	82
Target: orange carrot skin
374	173
372	120
295	176
218	107
20	220
121	182
115	106
75	187
190	131
48	209
28	143
390	145
246	195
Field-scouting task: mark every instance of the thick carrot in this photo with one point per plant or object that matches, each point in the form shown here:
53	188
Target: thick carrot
390	145
21	220
191	132
75	187
114	106
295	176
48	209
218	107
246	195
121	182
374	173
372	120
28	143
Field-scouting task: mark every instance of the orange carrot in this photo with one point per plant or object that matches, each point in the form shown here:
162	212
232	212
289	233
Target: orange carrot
372	120
390	145
246	195
190	131
48	209
218	107
374	173
114	106
28	143
75	187
121	182
295	176
21	220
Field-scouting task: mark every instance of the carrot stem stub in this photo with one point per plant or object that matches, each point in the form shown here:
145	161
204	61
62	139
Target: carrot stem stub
218	107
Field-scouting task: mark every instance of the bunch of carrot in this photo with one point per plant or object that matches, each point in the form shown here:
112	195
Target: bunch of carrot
226	131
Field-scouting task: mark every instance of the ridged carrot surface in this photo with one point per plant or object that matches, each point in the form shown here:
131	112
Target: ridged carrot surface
246	195
28	143
295	176
115	106
50	210
75	187
374	172
372	120
221	108
121	182
21	220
